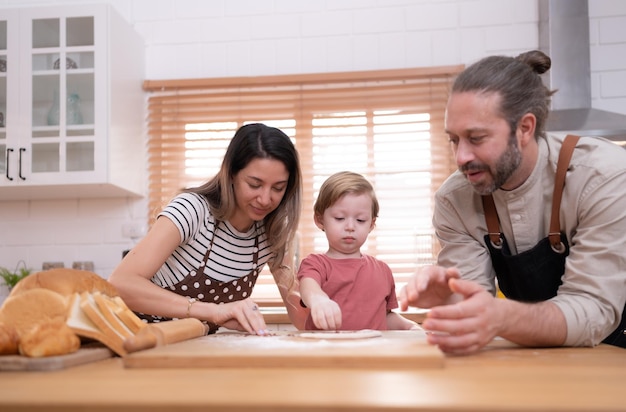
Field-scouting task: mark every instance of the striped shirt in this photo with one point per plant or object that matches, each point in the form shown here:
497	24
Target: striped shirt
231	253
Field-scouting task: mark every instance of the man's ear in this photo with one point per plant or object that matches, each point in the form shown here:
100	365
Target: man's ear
318	221
526	129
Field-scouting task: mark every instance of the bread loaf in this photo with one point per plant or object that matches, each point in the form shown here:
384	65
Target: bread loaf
51	311
9	340
65	282
32	307
49	339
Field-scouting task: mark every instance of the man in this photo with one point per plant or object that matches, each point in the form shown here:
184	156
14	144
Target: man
568	293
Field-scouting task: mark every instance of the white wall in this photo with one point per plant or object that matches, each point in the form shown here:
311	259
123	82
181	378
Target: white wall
216	38
607	32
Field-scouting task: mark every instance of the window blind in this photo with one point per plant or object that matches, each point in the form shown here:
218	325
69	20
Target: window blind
387	125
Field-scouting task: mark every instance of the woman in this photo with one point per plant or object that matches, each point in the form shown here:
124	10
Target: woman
202	256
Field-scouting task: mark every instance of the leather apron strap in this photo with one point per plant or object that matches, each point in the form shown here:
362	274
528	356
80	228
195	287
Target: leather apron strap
565	155
491	214
491	217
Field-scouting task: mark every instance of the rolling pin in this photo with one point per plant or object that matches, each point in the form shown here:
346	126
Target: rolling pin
163	333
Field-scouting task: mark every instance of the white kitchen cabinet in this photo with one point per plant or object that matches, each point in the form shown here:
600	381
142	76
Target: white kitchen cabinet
72	103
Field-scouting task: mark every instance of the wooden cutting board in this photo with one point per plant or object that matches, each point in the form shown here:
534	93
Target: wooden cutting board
393	350
83	355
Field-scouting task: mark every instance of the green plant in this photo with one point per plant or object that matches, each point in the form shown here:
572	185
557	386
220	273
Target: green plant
12	277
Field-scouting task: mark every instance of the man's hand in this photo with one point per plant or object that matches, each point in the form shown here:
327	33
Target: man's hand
467	326
428	287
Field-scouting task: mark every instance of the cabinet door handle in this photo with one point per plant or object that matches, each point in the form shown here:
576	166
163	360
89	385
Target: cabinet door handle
19	173
9	150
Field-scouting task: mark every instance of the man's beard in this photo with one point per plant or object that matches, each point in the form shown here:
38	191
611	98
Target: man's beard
505	166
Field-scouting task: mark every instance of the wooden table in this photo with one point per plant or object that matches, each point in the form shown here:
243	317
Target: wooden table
501	378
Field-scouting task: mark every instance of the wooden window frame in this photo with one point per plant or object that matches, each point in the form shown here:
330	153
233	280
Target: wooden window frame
175	103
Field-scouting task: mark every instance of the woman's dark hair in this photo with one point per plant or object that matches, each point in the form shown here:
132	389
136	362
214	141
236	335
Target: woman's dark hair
518	82
258	141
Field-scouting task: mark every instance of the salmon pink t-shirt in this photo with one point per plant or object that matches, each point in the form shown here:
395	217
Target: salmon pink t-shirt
363	288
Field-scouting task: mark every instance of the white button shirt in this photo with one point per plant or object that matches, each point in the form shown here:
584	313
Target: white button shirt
592	216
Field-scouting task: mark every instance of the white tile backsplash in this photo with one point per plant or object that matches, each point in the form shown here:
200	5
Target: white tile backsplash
71	230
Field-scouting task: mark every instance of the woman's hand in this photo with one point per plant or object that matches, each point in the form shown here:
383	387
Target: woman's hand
243	315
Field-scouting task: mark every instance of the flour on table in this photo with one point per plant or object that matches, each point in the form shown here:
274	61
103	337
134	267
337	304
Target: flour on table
292	340
341	334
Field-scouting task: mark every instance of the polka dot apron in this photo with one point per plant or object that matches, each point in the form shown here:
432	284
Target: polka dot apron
199	285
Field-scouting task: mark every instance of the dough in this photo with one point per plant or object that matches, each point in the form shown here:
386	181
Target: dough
341	334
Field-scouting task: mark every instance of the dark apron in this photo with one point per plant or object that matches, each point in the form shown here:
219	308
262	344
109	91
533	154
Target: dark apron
535	275
531	276
201	286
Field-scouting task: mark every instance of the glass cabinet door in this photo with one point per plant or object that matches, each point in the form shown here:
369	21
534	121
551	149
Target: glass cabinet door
9	94
62	138
4	148
71	103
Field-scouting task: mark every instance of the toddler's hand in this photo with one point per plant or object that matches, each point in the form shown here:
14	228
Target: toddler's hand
326	314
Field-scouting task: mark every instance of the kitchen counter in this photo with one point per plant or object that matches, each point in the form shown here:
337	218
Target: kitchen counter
501	378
